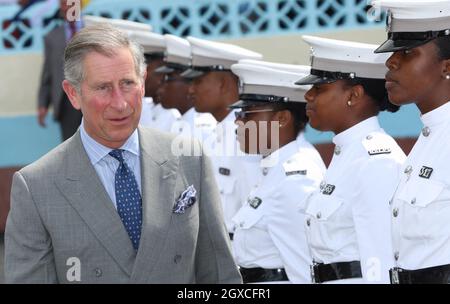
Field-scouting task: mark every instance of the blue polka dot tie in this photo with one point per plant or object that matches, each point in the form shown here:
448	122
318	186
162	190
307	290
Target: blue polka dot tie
128	199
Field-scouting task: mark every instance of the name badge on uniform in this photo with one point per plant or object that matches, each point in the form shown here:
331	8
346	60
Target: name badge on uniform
301	172
425	172
224	171
254	202
328	189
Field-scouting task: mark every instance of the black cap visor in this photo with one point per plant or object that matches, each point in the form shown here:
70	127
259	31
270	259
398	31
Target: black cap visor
391	45
314	79
192	73
247	103
164	69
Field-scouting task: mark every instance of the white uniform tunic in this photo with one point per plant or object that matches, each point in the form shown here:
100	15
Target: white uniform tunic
421	206
232	168
194	124
155	116
269	228
348	219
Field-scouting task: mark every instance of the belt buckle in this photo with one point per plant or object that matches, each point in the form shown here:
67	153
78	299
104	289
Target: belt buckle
394	276
312	271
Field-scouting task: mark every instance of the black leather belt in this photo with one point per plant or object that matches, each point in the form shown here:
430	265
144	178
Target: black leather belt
231	235
258	275
431	275
335	271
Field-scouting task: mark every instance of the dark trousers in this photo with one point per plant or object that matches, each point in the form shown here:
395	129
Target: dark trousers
69	118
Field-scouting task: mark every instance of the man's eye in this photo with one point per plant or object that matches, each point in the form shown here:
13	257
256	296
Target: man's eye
102	88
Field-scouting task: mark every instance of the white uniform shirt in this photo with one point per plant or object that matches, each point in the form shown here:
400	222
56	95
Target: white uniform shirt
348	219
155	116
194	124
269	229
421	205
232	168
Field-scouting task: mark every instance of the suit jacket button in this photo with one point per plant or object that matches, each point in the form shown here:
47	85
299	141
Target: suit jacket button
176	258
98	272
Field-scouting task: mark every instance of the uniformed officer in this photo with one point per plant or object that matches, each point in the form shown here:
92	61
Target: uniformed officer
153	114
347	220
173	92
419	72
269	239
213	89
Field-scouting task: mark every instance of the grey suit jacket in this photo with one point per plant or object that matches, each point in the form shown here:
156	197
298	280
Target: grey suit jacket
60	210
52	75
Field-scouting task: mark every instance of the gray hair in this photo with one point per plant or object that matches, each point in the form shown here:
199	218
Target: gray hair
104	39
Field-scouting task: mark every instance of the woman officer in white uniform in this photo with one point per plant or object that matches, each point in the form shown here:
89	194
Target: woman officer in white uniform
269	239
419	72
347	220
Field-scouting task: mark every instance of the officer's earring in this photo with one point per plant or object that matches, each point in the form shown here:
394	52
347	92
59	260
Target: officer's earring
447	77
349	103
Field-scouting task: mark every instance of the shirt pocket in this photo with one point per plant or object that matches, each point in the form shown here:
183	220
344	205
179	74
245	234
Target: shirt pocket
424	207
323	207
226	184
247	217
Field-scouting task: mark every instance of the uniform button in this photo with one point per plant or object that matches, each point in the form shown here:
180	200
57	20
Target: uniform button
395	212
241	224
408	170
413	201
153	118
337	150
180	130
265	171
369	137
177	258
426	131
308	222
221	192
396	255
98	272
390	202
319	215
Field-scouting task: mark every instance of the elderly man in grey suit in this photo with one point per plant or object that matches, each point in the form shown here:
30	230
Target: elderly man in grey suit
115	203
50	91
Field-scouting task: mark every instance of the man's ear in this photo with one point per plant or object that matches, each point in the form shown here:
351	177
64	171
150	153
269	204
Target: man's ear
143	84
72	94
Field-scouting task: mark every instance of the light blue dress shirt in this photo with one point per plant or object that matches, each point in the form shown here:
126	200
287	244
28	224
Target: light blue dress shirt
106	166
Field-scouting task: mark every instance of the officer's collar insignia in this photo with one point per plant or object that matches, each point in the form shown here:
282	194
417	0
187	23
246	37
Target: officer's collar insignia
300	172
254	202
328	189
224	171
425	172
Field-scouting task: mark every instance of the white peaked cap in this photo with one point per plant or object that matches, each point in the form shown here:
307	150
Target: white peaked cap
413	23
261	84
294	68
336	59
152	43
125	25
210	55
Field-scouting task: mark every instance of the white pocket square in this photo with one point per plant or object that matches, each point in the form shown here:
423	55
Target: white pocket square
186	200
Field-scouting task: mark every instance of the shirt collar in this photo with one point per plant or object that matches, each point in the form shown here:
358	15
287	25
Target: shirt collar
357	131
437	116
281	155
97	151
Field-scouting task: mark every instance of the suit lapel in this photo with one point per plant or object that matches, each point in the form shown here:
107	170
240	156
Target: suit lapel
85	192
158	175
